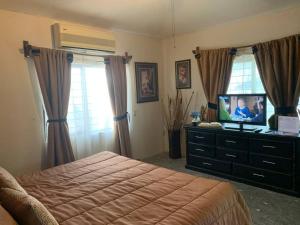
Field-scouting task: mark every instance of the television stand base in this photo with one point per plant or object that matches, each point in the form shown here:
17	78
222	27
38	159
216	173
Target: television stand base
237	128
240	128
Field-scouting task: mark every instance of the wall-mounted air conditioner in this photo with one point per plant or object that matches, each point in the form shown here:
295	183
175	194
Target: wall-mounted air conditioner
82	39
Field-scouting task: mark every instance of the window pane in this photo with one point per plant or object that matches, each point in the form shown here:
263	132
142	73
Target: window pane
98	99
89	107
245	79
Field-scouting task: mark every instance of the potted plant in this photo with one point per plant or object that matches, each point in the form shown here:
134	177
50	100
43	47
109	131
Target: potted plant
175	114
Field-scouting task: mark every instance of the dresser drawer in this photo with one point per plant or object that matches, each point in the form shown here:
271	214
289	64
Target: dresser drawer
277	148
271	163
229	141
232	155
262	176
201	138
207	163
201	150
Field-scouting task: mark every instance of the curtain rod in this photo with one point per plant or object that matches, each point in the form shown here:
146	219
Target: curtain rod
126	57
233	50
30	51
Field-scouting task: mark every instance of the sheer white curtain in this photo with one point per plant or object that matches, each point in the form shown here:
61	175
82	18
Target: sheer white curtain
90	116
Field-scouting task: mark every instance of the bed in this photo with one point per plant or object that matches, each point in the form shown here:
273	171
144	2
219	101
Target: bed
110	189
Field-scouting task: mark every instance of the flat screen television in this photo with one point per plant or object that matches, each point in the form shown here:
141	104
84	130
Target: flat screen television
242	109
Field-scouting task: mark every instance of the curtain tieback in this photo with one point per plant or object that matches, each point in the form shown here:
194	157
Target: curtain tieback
121	117
57	120
285	109
211	105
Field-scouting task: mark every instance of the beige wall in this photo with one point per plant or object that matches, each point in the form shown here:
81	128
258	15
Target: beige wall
21	130
146	122
263	27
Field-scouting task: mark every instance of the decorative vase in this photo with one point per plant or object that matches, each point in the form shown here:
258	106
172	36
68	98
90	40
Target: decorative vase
272	121
174	144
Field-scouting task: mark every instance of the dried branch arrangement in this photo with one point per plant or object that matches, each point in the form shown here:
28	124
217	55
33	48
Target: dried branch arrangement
176	112
203	113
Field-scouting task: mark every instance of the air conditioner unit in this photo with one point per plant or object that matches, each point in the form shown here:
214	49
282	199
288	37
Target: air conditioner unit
81	39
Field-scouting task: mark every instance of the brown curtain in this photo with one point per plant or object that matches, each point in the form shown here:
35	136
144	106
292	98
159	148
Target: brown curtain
54	75
117	86
215	70
278	62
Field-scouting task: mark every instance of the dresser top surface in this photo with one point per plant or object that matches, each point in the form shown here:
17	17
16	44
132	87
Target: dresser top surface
265	133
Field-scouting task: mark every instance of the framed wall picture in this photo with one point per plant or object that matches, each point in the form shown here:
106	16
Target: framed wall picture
183	74
146	82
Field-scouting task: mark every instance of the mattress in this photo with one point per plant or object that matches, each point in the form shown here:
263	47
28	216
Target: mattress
110	189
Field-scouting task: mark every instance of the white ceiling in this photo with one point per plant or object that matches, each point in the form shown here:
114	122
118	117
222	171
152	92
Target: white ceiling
151	17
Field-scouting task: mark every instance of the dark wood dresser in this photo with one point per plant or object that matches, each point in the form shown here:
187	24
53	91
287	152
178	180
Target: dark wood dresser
264	160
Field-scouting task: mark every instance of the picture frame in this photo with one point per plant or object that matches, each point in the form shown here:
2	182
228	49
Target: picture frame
183	74
146	82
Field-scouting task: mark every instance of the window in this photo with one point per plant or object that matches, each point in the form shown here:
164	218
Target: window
90	115
89	107
245	79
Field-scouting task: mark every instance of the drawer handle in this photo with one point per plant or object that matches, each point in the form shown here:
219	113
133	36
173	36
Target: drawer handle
199	149
207	164
199	137
230	141
269	146
258	175
269	162
230	155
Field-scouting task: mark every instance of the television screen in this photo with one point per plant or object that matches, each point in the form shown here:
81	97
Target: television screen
243	108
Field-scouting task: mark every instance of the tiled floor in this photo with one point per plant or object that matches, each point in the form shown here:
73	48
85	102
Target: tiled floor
267	207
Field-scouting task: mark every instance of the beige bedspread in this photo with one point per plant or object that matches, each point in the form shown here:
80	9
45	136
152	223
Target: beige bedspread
110	189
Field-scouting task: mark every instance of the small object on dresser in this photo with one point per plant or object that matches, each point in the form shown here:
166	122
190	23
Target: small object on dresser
204	125
268	131
196	118
288	124
210	125
215	125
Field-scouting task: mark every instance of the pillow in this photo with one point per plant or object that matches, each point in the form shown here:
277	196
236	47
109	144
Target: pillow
25	209
8	181
5	217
